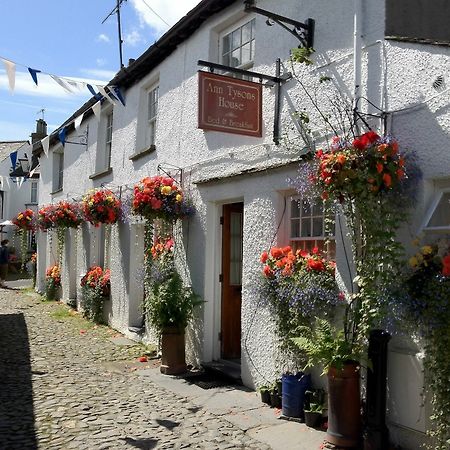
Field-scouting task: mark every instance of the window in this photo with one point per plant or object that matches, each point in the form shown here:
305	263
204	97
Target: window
108	139
34	192
308	226
238	46
58	170
422	20
152	110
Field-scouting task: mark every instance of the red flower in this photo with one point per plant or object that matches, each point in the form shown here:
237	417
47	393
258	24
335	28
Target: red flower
387	179
268	272
264	257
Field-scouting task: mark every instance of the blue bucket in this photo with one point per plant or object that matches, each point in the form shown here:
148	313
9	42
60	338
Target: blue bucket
294	388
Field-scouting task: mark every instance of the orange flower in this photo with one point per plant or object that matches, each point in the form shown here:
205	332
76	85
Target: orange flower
341	158
387	180
400	173
379	167
264	257
268	272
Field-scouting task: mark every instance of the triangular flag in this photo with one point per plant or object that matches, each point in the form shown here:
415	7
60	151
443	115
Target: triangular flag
7	182
45	144
20	181
62	83
118	94
11	72
62	135
33	73
104	93
75	84
96	109
92	91
78	120
30	175
13	157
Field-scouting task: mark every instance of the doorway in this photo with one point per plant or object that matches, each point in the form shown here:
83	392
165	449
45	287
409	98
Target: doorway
231	279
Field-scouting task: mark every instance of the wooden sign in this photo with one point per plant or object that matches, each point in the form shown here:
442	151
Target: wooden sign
229	104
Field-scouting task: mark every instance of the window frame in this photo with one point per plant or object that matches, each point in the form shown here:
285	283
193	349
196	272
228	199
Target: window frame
328	242
109	117
238	25
58	169
152	105
34	189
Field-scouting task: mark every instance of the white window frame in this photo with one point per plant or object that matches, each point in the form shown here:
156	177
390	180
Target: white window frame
445	229
108	138
34	192
152	103
307	241
58	172
228	32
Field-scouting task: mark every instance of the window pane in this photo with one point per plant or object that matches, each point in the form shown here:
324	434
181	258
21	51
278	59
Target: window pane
306	208
318	209
252	50
226	59
295	228
295	210
441	215
236	58
236	39
246	32
246	52
253	22
306	227
318	226
226	44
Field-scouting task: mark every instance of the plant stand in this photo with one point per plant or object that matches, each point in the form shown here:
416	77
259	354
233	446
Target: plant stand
344	415
173	358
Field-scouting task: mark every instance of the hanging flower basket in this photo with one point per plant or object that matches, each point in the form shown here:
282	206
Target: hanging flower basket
25	220
52	282
67	215
159	197
101	206
46	217
368	165
96	288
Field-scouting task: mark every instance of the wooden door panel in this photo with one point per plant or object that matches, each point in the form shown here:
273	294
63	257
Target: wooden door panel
232	227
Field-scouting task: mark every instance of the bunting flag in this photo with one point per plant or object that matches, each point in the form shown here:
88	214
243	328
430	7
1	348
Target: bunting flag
19	181
118	94
13	157
62	83
11	72
33	73
96	95
62	135
7	182
30	175
102	91
78	120
96	109
45	144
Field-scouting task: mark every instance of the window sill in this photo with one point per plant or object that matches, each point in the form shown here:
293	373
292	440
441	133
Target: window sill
56	191
100	174
142	153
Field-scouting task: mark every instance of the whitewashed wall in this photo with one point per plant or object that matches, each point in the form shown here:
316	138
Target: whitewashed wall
395	75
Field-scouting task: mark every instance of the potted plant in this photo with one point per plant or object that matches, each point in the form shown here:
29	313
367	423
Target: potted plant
338	354
169	305
264	391
314	407
52	282
275	395
96	287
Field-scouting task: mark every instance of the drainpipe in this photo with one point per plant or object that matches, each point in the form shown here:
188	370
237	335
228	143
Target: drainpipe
357	51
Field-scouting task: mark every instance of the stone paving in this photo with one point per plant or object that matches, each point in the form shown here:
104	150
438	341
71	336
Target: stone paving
65	385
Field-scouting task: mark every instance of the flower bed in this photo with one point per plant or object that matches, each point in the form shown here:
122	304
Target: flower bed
101	206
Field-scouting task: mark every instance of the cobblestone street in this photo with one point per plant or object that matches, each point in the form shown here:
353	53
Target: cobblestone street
65	385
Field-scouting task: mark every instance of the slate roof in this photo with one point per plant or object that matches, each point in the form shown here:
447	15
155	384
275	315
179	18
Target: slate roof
7	147
153	56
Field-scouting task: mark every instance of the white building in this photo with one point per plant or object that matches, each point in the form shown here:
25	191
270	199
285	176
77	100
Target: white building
244	178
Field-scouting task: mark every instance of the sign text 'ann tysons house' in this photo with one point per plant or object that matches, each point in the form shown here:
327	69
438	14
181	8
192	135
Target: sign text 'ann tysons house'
229	105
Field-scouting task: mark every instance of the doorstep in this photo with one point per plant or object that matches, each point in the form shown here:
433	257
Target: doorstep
244	409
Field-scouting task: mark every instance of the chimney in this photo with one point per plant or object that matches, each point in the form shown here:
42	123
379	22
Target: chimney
41	131
131	61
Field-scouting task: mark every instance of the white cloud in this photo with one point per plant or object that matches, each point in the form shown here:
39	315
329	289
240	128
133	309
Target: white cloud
99	74
101	62
133	38
171	12
103	38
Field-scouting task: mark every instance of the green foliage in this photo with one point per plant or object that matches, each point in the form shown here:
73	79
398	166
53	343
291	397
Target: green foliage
169	303
325	345
92	303
302	55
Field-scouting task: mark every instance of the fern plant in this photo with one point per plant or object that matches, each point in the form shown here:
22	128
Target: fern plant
325	345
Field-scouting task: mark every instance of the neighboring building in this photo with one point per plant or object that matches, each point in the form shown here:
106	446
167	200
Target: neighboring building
18	190
244	178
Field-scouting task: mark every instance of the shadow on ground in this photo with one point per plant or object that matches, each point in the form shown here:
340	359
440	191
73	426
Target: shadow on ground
16	395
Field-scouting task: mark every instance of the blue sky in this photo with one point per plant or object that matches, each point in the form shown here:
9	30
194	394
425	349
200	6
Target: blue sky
66	38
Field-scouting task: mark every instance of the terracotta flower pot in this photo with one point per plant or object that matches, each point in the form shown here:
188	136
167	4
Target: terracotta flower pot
173	359
344	406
